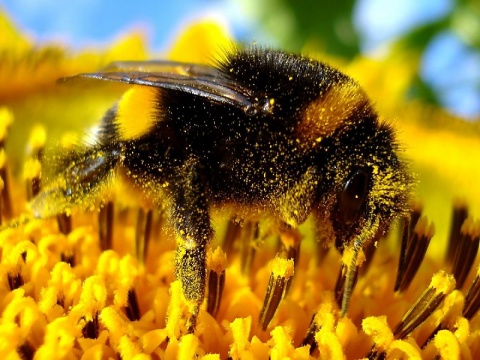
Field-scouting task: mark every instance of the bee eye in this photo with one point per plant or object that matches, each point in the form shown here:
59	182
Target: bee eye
353	196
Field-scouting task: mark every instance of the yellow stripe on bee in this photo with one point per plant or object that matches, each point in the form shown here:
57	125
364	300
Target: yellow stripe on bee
137	111
331	111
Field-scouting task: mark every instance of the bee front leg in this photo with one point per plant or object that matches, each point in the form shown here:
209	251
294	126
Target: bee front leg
191	220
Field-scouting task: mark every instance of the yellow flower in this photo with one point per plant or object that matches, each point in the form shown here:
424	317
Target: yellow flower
100	284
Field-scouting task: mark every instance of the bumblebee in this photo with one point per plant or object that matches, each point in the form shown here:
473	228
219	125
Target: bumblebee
263	130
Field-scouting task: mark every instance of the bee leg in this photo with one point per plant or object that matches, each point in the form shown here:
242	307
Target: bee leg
350	277
191	220
359	242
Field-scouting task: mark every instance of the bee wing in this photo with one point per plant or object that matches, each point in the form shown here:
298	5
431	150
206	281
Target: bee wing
165	66
199	80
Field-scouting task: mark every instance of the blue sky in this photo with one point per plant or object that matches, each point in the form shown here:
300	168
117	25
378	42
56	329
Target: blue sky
83	22
86	22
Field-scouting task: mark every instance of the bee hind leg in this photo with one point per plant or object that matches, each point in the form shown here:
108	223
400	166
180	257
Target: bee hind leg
191	221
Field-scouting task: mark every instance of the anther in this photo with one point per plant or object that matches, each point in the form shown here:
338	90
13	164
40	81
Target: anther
143	234
6	119
68	258
15	281
91	328
216	265
33	167
249	245
32	170
105	226
232	234
64	222
466	250
416	237
26	351
440	286
472	299
324	317
132	310
459	215
6	192
281	274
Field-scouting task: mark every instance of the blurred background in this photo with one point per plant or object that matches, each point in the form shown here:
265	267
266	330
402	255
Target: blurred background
444	35
419	62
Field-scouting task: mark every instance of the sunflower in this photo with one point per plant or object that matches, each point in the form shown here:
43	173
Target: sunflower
99	283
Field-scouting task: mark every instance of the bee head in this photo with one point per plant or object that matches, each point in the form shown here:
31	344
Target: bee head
369	184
